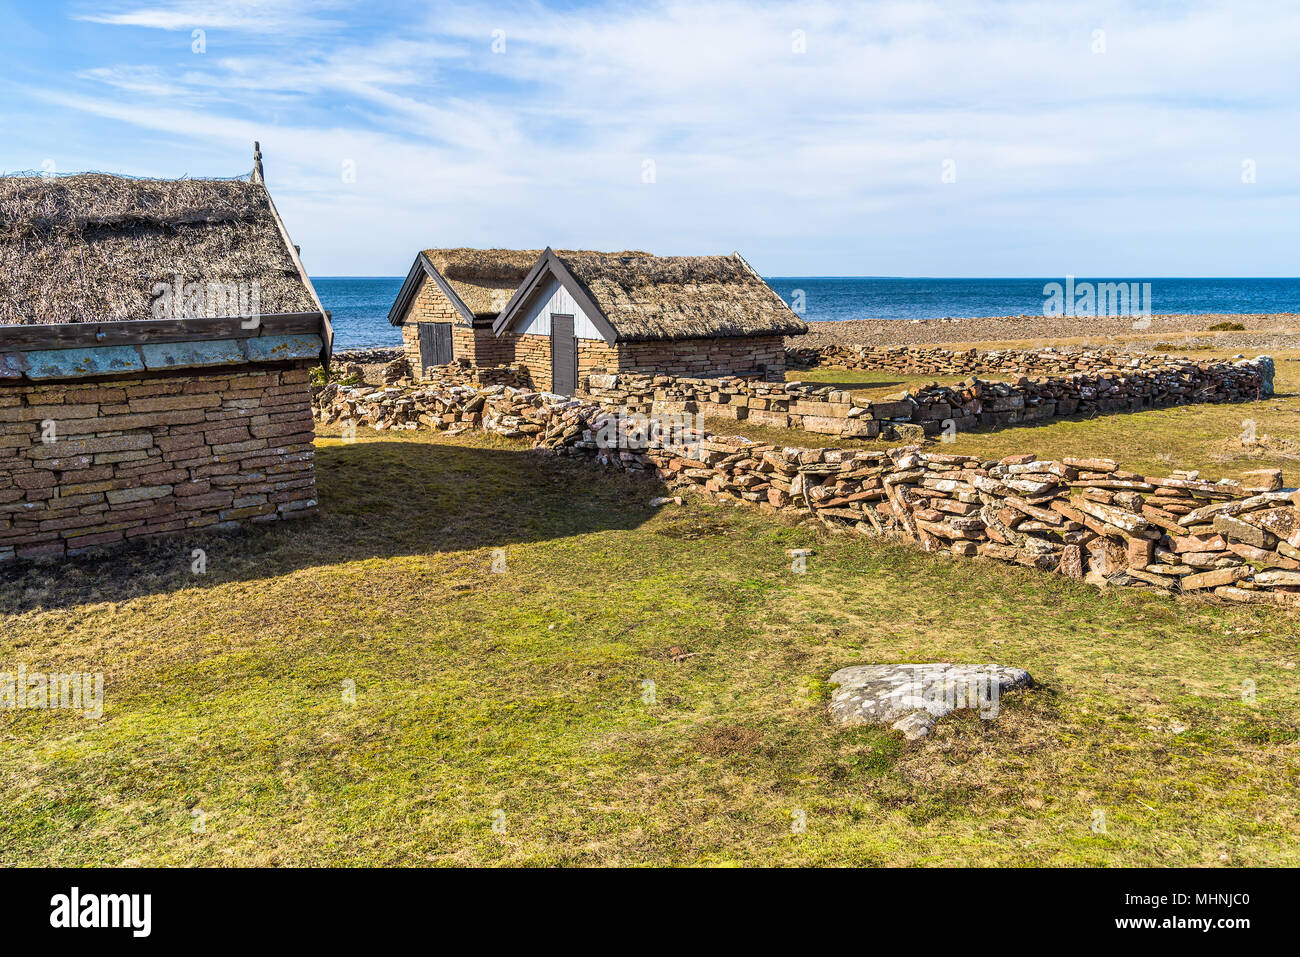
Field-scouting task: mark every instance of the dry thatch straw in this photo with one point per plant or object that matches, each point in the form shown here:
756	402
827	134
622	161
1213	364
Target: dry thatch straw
93	247
485	279
682	297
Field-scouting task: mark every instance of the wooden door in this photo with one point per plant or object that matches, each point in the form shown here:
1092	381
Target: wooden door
435	344
564	355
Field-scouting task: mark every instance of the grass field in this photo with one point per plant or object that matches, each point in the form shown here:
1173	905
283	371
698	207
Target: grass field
519	696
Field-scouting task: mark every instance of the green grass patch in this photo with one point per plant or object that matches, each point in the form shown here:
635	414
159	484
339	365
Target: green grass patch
1205	436
637	686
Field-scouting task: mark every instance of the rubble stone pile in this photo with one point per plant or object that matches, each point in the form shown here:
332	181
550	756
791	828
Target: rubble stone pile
460	372
1087	518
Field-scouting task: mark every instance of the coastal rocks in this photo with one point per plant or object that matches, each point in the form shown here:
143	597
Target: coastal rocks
911	697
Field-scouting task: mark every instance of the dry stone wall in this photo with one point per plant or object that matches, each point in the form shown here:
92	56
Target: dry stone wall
926	360
465	373
1085	518
1151	382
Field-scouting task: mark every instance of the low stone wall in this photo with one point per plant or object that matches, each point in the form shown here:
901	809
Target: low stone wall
797	405
85	464
1153	382
926	360
1085	518
463	373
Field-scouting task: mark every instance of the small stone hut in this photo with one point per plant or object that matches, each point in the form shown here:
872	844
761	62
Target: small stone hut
156	338
696	316
564	314
450	299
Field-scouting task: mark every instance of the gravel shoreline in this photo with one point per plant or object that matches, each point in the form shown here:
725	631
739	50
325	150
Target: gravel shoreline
1275	330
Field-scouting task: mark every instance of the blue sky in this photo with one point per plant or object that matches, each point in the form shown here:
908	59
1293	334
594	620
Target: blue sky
883	138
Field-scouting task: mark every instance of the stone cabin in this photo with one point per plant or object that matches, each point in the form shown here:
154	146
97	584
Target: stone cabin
449	301
625	311
697	316
156	338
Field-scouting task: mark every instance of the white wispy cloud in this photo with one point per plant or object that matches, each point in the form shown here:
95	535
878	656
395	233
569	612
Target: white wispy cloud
247	15
1076	130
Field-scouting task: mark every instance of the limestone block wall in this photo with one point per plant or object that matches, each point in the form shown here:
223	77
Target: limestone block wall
532	354
463	373
1087	518
411	348
755	356
934	409
429	305
927	360
479	347
88	463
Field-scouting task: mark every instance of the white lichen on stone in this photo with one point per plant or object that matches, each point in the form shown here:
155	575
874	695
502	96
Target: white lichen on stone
910	697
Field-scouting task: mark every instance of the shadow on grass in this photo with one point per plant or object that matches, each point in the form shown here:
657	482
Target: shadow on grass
379	499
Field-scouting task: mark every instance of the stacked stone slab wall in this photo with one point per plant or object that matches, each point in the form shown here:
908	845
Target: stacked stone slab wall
762	356
926	360
752	356
475	346
85	464
1143	383
532	354
1086	518
478	346
462	373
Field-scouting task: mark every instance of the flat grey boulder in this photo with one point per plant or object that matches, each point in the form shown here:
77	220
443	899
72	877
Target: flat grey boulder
910	697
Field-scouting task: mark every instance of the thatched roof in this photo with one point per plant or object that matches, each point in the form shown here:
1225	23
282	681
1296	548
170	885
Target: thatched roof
94	247
485	279
681	297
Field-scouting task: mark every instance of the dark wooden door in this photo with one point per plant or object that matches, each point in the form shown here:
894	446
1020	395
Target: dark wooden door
435	344
564	355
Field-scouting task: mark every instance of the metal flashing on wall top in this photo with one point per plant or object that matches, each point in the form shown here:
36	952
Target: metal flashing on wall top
81	363
282	348
91	361
180	355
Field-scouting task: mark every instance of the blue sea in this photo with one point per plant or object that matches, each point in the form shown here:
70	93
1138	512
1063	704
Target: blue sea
360	305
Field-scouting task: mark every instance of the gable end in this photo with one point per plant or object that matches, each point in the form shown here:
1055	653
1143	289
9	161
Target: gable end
422	269
547	267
